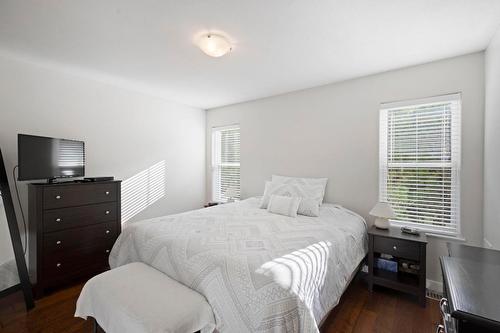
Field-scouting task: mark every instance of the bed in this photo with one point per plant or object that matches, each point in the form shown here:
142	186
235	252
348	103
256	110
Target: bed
260	272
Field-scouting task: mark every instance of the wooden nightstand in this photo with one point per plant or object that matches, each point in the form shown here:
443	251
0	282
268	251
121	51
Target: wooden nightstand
404	248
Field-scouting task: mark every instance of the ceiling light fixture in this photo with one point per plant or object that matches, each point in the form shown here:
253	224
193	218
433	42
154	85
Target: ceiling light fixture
214	45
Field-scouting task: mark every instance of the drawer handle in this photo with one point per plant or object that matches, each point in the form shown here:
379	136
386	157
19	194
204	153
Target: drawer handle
107	251
58	219
395	248
107	231
58	242
107	192
106	212
58	197
58	265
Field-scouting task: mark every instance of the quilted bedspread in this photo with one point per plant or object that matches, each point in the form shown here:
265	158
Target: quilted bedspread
260	272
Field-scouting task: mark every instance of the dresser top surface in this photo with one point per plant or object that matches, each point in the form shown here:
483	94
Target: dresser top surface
472	277
70	183
395	232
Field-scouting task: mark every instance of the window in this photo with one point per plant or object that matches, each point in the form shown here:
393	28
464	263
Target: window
226	163
420	162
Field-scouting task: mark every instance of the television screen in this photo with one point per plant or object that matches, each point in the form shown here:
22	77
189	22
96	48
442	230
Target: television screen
47	158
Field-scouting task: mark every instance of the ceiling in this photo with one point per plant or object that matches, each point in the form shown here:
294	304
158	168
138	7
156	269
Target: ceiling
279	45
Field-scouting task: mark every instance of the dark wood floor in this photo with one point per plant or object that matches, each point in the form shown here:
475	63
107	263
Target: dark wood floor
358	311
383	311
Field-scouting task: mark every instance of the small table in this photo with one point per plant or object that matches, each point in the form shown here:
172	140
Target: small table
402	247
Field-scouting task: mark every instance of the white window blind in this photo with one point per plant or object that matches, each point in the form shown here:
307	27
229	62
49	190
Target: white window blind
226	163
420	162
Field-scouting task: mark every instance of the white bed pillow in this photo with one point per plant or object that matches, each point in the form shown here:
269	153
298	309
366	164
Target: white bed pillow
311	196
283	205
302	181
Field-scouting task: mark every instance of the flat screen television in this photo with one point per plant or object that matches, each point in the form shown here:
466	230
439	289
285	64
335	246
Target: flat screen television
49	158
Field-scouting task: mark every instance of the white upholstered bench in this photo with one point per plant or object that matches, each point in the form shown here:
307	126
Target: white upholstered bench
137	298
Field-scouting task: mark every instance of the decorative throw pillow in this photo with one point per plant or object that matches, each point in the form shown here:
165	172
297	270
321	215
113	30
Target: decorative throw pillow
302	181
311	196
288	206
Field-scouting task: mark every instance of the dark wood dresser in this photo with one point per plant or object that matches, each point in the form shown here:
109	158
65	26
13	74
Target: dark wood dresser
471	277
72	228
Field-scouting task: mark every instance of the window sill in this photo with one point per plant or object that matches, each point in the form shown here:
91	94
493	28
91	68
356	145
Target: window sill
458	238
432	233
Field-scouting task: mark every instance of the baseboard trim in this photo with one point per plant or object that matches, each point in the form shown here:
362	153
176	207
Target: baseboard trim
434	286
487	243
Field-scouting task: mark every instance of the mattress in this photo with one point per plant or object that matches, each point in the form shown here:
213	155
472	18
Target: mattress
260	272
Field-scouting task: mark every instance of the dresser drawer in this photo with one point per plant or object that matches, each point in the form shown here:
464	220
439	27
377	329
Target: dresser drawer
65	218
76	263
78	195
72	240
397	247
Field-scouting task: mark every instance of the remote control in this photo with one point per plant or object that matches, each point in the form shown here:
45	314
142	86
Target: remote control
411	231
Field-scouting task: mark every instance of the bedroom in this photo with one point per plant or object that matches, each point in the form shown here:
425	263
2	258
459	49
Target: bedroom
308	92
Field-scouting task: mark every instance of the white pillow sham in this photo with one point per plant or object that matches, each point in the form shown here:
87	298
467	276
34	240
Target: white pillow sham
288	206
311	196
302	181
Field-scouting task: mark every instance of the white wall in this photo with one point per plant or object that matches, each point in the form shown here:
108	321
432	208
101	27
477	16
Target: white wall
492	145
332	131
125	132
8	270
6	251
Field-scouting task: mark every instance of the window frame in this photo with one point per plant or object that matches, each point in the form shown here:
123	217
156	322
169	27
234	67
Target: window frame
454	164
215	164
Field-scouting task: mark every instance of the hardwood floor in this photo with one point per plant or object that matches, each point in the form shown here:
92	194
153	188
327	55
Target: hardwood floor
53	313
383	311
358	311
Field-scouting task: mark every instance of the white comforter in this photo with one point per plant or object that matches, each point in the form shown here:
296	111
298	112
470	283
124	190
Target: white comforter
260	272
